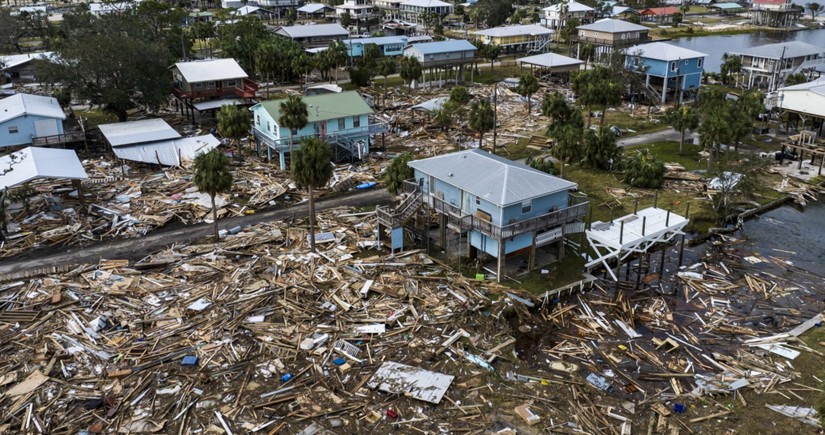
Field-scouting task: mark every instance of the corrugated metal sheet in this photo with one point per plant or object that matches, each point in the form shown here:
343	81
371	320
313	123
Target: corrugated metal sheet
664	51
609	25
210	70
135	132
178	152
313	30
450	46
32	163
493	178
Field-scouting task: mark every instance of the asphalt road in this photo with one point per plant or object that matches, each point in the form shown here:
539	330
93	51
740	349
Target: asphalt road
133	249
657	136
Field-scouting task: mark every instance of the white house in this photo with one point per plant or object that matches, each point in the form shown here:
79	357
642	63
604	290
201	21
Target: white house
556	16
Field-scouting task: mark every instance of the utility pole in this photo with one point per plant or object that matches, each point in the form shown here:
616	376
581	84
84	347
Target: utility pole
495	115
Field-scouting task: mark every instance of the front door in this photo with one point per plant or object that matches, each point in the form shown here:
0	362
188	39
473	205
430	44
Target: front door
323	128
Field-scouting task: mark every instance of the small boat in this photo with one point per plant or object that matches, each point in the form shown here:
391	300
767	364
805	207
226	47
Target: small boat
367	185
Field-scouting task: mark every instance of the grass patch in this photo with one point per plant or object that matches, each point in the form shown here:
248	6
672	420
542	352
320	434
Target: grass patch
668	152
566	271
93	118
626	121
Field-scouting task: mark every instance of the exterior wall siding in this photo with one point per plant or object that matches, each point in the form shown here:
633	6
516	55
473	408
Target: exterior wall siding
25	126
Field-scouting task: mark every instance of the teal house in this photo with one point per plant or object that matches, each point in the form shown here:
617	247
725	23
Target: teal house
342	119
498	207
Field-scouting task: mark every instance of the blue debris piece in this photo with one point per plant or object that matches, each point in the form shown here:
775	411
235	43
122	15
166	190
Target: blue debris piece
339	361
189	360
286	377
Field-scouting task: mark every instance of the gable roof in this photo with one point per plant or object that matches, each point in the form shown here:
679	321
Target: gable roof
448	46
34	163
323	107
136	132
313	8
572	6
310	30
775	51
609	25
670	10
727	6
210	70
618	10
550	60
490	177
426	3
378	40
523	29
27	104
13	60
664	51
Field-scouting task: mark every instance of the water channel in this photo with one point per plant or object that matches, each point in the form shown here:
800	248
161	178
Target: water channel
717	45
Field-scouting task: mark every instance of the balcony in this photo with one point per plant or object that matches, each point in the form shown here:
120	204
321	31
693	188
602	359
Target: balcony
59	139
248	89
610	42
332	138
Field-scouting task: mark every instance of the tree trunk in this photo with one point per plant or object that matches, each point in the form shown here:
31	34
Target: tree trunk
215	217
682	143
481	140
290	149
311	220
589	116
561	168
604	112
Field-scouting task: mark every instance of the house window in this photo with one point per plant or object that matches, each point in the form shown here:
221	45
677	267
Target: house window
478	201
13	130
294	131
257	119
197	85
686	62
526	207
231	84
342	123
267	126
699	63
673	66
356	121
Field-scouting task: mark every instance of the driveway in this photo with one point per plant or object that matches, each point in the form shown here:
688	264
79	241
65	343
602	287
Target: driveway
668	134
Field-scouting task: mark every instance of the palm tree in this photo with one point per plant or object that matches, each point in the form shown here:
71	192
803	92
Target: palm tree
397	172
567	139
459	95
410	70
482	119
491	53
311	169
233	122
643	170
386	67
528	85
587	51
555	107
600	149
731	65
212	176
682	118
294	116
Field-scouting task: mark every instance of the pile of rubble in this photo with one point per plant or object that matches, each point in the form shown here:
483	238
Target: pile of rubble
113	205
256	334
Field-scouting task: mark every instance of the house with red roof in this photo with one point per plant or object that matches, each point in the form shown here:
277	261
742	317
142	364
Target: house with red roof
659	15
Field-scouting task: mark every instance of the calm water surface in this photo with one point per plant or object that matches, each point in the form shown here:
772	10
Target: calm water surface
716	46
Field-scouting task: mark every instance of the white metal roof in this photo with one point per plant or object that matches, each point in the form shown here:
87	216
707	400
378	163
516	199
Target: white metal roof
550	60
27	104
136	132
33	163
524	29
426	3
572	6
312	8
788	49
210	70
175	152
664	51
805	98
310	30
609	25
13	60
200	106
493	178
448	46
